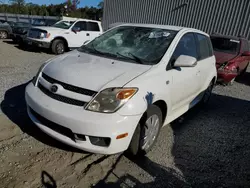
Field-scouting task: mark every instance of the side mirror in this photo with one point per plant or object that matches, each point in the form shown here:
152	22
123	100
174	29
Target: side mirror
185	61
76	29
246	53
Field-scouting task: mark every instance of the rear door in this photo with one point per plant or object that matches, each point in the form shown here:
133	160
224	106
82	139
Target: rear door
93	30
186	80
205	59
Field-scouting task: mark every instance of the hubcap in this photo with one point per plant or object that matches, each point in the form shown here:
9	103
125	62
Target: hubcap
60	48
208	93
3	35
150	131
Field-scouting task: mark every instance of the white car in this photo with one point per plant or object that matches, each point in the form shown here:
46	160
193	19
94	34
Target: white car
64	35
116	92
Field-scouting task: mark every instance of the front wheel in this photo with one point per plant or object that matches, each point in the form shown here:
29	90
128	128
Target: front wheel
146	132
3	35
58	47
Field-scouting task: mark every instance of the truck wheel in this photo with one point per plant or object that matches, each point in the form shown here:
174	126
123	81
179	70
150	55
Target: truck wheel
3	35
58	47
146	132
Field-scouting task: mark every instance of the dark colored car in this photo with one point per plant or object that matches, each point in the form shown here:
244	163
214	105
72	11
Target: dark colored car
5	30
44	22
232	56
20	30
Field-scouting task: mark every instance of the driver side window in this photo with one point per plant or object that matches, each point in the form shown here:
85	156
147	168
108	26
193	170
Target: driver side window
186	46
80	26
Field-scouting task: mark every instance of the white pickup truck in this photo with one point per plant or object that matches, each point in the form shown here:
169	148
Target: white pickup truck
64	35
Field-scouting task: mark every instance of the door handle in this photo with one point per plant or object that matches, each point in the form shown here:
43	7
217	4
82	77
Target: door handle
87	34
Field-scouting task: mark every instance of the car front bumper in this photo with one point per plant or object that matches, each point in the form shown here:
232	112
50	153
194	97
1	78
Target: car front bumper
78	121
37	43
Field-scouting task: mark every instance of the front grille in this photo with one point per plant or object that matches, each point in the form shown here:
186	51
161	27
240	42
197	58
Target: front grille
57	128
60	98
69	87
35	33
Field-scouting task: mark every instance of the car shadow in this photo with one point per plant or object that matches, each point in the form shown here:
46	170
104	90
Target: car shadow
29	48
244	79
210	148
14	107
9	41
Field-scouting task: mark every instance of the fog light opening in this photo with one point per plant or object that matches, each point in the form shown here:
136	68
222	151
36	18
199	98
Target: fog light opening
100	141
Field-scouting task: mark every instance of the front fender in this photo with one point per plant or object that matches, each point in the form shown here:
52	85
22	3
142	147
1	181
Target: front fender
152	88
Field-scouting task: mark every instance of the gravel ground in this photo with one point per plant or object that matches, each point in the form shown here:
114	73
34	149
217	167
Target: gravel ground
209	147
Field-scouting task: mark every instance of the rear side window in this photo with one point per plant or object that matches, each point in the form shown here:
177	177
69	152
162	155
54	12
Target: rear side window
245	46
93	26
205	48
186	46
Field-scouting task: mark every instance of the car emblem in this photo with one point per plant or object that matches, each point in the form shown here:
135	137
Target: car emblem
53	88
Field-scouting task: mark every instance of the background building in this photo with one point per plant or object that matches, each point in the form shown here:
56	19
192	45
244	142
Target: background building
230	17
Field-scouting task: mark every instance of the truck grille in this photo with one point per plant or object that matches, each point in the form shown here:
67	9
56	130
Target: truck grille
70	87
35	33
57	128
60	98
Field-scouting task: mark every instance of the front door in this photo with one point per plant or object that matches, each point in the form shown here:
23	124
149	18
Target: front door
77	35
186	80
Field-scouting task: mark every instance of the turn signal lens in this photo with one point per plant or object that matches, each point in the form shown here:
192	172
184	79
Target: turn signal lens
122	136
125	94
48	35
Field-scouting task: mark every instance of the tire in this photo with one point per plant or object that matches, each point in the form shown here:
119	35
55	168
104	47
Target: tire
58	47
140	145
207	93
3	35
244	71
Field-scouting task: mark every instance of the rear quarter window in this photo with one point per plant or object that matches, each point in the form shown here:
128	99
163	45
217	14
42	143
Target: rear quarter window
205	47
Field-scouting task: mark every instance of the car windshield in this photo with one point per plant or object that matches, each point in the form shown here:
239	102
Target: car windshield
22	24
135	44
226	45
64	24
38	22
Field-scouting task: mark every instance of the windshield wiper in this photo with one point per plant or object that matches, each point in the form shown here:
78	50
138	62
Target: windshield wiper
134	57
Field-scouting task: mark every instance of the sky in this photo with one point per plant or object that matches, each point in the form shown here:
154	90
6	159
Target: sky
83	3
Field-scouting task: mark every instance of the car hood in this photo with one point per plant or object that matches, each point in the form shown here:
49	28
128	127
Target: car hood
47	28
92	72
222	57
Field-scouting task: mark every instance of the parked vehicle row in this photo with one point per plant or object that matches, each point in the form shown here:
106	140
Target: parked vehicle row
116	91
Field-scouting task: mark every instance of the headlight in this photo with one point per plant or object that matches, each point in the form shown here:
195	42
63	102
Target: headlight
44	35
111	99
34	81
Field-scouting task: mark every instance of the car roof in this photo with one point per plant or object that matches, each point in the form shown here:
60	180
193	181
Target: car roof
169	27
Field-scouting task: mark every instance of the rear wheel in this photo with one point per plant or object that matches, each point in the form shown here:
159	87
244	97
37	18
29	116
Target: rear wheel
147	132
3	35
58	46
207	93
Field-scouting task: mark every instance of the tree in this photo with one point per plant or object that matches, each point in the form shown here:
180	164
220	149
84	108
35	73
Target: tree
101	5
17	4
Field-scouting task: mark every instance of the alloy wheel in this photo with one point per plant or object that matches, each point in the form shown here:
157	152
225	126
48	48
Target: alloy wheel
3	35
150	131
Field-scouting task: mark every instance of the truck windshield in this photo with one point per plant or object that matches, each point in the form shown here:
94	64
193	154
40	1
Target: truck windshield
143	45
64	24
225	45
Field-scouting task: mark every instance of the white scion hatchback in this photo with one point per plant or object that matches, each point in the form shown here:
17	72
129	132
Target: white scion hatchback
117	91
